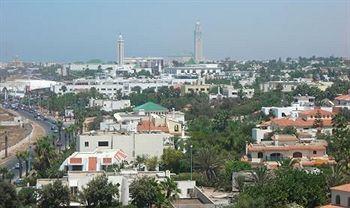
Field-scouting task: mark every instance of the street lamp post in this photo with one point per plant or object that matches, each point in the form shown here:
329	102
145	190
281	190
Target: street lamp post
191	160
6	144
30	158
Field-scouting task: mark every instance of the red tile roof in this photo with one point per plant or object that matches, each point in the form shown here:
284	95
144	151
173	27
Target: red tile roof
344	187
343	97
315	112
299	122
330	206
257	148
149	126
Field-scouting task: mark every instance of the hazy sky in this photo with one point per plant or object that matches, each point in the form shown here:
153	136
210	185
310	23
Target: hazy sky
63	30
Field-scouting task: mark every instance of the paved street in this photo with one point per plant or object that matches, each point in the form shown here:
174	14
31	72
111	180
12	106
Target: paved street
44	126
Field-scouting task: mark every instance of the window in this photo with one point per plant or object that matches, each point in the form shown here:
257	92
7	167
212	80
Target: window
77	167
103	144
176	128
337	199
86	144
260	155
315	152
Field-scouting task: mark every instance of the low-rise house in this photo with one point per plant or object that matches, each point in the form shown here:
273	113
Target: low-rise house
288	146
149	117
299	104
311	122
97	160
190	196
342	101
230	92
340	197
286	86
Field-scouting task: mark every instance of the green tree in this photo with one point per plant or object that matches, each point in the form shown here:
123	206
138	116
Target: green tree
54	195
6	174
290	185
171	160
152	163
45	155
140	160
8	196
208	160
260	175
27	196
100	193
19	156
170	188
145	192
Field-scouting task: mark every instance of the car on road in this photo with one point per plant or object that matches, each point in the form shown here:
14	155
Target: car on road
19	181
17	166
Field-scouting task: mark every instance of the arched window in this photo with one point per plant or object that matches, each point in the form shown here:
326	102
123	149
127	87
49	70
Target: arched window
260	155
337	199
297	155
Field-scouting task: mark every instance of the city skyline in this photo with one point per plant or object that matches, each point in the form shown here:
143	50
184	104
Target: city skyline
239	29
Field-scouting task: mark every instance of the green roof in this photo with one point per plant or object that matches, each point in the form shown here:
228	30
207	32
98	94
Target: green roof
149	107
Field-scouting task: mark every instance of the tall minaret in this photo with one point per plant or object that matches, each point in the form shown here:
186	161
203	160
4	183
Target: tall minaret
198	45
120	50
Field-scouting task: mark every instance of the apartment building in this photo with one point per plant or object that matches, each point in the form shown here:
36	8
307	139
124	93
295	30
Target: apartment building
109	105
133	144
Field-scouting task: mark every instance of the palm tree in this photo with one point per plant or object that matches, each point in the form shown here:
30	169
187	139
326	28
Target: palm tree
45	153
19	156
59	126
139	161
6	174
170	188
208	160
260	175
25	157
337	176
239	182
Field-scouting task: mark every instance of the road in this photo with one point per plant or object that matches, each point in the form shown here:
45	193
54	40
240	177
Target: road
12	161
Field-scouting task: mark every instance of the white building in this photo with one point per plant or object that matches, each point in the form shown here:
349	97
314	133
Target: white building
195	69
109	87
77	180
230	92
97	160
133	144
109	105
340	196
342	101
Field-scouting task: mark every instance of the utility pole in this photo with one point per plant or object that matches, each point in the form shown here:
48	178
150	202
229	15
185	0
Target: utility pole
30	158
191	160
6	144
